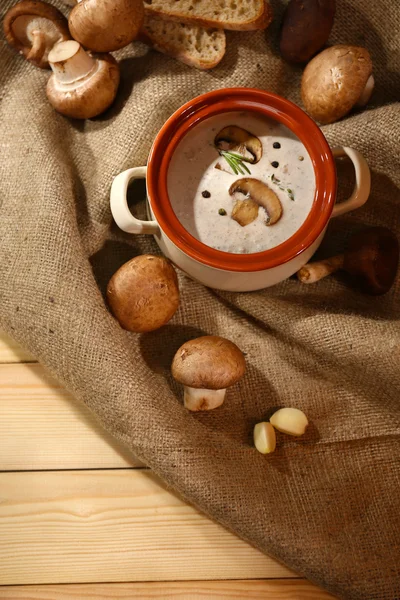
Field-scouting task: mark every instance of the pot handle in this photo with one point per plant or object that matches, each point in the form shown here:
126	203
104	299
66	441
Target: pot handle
362	186
119	205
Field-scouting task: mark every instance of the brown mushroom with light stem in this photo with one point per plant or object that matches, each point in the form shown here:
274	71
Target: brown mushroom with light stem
250	194
106	25
82	85
143	294
206	366
237	139
33	27
335	81
371	259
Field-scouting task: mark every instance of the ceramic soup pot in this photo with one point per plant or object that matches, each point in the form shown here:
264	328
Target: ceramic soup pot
224	270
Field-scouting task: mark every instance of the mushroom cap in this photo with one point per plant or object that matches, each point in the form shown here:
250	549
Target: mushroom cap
106	25
372	258
210	362
143	294
90	96
334	81
28	16
305	29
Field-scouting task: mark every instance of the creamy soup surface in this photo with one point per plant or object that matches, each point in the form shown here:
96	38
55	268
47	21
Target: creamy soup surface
199	192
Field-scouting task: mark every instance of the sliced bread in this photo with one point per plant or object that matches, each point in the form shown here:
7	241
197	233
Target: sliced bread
224	14
191	44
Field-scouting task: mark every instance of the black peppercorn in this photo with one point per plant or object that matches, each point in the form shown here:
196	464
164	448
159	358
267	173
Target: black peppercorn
275	164
276	145
222	212
206	194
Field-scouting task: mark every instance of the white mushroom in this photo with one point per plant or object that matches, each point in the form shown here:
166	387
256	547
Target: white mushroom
82	85
33	27
206	366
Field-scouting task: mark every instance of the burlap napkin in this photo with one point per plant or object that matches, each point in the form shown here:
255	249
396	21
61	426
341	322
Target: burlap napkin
327	504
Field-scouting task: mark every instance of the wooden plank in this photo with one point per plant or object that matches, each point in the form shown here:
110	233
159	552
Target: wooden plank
43	427
11	352
116	525
278	589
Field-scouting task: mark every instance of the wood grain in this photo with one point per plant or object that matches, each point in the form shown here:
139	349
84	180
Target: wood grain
11	352
63	527
43	427
116	525
279	589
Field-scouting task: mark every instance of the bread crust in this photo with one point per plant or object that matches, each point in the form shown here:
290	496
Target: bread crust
261	21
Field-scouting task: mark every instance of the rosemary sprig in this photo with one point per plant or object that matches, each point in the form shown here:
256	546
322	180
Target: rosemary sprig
239	156
236	162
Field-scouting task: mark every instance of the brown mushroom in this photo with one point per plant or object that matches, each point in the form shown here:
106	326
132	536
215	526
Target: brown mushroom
245	211
237	139
206	366
306	28
143	294
82	85
256	193
106	25
33	27
371	259
335	81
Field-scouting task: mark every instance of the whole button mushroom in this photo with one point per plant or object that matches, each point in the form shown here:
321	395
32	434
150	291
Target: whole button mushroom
371	260
306	28
143	294
33	27
106	25
82	85
335	81
206	366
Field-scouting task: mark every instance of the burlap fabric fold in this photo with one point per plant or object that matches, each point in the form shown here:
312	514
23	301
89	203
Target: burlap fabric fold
328	504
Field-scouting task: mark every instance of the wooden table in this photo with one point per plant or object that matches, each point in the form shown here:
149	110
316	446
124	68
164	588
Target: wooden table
79	518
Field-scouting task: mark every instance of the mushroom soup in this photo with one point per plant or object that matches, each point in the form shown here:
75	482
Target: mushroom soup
240	182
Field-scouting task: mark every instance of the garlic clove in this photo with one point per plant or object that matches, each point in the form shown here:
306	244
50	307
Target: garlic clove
290	420
264	437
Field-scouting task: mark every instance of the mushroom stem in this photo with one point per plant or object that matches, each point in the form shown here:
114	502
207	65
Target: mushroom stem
367	91
202	399
39	45
315	271
70	62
